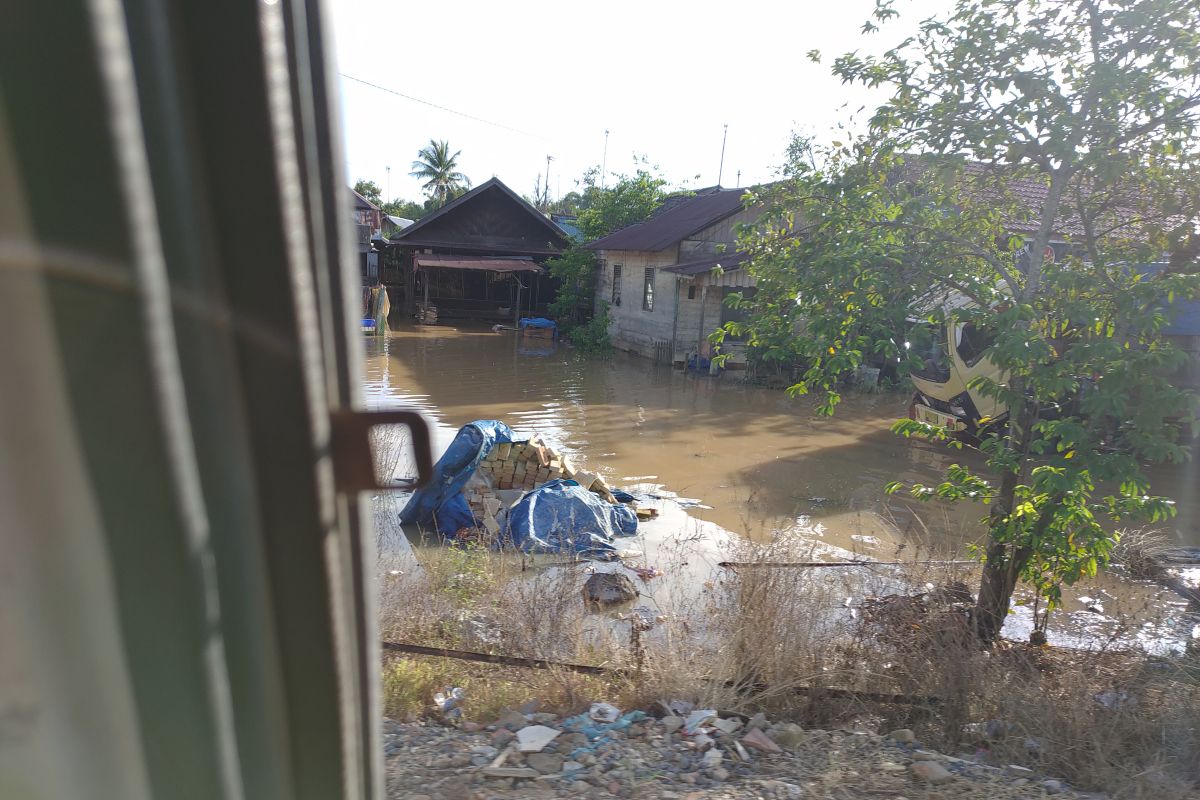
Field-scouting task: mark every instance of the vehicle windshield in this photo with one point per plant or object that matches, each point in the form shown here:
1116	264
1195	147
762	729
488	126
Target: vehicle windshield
928	342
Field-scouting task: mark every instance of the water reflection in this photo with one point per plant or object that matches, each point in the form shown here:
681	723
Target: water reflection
750	460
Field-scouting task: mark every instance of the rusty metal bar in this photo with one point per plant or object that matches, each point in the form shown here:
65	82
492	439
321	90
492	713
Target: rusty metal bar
818	564
488	658
587	669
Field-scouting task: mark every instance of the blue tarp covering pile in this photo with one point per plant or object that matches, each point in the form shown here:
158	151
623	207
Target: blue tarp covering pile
558	516
562	517
441	503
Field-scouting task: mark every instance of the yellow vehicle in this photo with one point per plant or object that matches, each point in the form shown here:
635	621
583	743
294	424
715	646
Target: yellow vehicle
955	353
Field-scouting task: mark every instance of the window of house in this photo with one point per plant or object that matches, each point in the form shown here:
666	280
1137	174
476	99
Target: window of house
616	289
692	292
731	314
973	343
648	290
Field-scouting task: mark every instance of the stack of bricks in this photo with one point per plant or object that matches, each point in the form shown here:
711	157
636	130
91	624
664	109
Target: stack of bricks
523	466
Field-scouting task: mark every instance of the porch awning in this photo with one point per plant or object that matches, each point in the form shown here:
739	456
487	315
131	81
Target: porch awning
728	261
476	262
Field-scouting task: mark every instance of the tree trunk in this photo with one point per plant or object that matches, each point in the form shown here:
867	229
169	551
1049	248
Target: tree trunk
1003	562
995	591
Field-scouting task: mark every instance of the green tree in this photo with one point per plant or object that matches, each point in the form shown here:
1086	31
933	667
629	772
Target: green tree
1076	117
408	209
369	190
601	211
629	199
438	167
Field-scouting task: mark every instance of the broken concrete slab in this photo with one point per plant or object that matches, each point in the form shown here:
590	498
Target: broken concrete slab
534	738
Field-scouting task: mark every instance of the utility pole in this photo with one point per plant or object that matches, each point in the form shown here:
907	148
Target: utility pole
721	169
546	199
739	180
604	160
388	199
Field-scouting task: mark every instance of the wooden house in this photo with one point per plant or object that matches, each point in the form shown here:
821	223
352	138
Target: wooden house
368	224
660	280
481	256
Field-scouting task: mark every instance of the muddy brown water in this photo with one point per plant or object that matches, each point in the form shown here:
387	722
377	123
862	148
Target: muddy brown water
748	459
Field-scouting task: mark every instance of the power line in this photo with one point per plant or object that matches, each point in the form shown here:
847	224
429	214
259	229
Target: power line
443	108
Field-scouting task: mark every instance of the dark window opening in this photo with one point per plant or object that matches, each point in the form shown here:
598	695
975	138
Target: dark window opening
648	290
616	287
692	292
731	314
973	343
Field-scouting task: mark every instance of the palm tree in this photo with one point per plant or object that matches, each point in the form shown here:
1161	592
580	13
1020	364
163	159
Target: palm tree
436	166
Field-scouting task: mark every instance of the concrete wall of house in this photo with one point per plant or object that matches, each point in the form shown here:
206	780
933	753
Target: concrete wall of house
701	314
634	329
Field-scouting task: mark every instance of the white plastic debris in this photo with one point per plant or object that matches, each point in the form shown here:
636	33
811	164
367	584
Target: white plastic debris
713	758
448	702
727	725
534	738
604	712
697	719
678	708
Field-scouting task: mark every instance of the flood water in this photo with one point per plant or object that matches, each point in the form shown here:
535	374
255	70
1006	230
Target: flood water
749	459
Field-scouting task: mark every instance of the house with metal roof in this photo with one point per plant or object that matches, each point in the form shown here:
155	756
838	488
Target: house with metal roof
481	256
660	280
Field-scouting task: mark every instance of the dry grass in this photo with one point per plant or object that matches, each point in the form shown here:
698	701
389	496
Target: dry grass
1138	552
799	645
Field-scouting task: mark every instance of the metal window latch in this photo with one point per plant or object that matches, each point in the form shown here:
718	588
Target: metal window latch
353	461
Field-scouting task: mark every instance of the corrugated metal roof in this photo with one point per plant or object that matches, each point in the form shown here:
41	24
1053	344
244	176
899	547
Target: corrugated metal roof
677	220
362	202
727	262
492	184
569	224
476	262
991	183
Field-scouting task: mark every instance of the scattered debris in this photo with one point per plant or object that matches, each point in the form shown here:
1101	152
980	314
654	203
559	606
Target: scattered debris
697	719
636	756
449	702
787	735
761	742
604	712
534	738
931	771
545	763
728	725
608	588
1114	700
510	772
513	720
647	573
680	708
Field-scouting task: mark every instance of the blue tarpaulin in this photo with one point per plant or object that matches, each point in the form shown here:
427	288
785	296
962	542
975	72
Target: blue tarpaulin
558	517
441	503
561	516
536	322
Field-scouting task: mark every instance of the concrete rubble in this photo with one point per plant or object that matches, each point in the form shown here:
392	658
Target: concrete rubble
726	757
